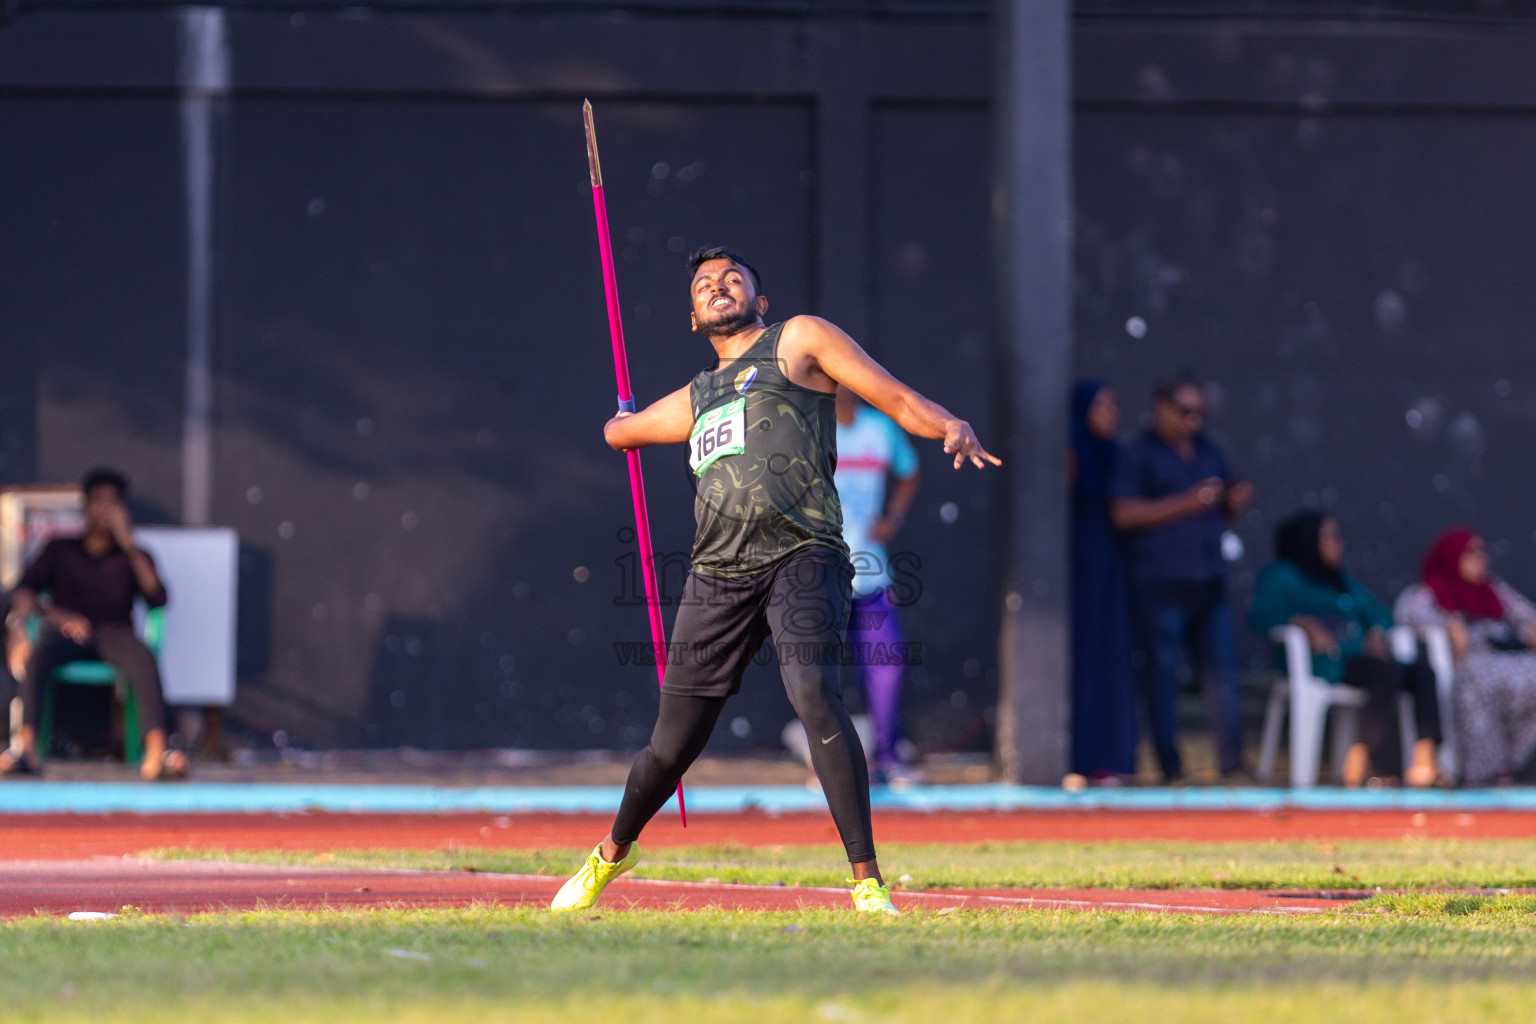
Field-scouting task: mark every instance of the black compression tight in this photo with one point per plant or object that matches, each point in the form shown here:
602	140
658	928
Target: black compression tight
683	726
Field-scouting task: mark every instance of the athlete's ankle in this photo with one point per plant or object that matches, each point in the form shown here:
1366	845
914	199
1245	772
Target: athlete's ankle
867	869
612	852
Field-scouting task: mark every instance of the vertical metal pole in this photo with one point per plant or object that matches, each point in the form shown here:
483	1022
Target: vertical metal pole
1032	211
204	77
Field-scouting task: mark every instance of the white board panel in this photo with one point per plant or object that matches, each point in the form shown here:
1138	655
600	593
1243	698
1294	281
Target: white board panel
200	568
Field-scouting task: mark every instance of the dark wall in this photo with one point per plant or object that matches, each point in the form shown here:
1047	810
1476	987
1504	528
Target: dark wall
92	292
1333	227
410	349
411	395
930	322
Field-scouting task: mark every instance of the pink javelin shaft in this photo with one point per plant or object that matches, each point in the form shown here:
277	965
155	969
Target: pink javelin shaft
627	403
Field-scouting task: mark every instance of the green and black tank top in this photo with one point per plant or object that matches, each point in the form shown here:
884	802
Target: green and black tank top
762	452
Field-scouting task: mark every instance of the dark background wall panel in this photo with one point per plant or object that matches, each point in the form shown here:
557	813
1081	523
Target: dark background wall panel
1316	64
413	379
93	300
608	54
84	50
932	326
494	52
1329	219
1359	309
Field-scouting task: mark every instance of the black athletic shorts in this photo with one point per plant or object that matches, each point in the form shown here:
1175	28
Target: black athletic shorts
802	601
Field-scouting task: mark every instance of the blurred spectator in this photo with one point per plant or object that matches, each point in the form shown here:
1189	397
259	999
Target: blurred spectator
91	582
8	689
872	451
1492	628
1308	586
1173	494
1103	679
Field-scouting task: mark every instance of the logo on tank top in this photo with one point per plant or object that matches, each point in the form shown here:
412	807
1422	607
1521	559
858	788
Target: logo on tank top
740	507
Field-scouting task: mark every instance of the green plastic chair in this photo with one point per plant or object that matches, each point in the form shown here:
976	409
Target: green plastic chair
99	673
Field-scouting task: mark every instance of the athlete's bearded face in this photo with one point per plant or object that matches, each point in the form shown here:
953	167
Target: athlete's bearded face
725	300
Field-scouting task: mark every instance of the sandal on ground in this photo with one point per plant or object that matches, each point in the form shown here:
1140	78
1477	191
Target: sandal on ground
14	765
174	767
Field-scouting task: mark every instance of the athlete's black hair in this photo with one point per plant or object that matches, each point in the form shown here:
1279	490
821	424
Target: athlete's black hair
721	252
1168	387
101	475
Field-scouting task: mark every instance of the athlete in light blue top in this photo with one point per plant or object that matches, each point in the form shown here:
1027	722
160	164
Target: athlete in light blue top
872	452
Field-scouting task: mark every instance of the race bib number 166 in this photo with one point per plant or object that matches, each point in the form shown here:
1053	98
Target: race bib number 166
718	433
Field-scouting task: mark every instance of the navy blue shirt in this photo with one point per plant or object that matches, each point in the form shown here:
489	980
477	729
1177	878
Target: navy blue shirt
1185	551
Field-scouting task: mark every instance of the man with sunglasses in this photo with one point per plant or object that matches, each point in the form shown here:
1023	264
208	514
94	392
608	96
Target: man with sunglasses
1173	495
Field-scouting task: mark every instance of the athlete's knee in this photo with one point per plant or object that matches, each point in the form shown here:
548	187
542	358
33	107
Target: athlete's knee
815	689
667	758
824	717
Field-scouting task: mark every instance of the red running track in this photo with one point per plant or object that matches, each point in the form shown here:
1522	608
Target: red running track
106	885
64	836
58	864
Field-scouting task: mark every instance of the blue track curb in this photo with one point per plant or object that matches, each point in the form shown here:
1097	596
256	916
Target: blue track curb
266	798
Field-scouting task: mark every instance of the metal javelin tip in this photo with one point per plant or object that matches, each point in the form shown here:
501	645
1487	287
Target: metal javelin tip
594	168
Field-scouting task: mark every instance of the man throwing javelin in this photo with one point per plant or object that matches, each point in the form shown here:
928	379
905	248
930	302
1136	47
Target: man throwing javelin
768	558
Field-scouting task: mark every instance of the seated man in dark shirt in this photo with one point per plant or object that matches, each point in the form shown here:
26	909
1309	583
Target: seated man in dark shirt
92	581
1173	496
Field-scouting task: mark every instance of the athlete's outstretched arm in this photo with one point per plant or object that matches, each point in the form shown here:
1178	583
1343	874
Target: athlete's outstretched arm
665	421
841	358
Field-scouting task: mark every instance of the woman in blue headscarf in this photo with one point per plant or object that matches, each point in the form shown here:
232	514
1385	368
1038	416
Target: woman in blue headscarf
1103	683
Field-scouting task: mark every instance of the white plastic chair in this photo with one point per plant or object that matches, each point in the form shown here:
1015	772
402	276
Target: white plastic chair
1308	700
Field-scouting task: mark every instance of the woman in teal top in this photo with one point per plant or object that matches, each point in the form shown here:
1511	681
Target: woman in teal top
1308	586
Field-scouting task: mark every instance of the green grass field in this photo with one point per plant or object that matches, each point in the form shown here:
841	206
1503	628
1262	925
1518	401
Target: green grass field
1389	959
1394	864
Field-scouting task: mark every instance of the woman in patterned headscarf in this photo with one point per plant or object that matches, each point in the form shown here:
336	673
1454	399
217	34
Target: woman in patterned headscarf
1492	628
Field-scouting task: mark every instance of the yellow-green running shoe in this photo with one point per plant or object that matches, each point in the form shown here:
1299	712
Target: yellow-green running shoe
581	890
870	897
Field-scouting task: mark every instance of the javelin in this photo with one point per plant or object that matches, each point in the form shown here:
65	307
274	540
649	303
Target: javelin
627	404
